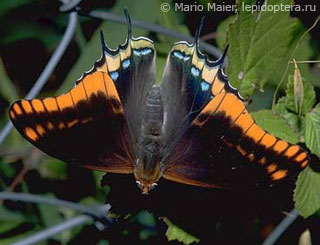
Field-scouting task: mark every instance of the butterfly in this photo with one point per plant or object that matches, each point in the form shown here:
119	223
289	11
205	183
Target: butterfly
193	128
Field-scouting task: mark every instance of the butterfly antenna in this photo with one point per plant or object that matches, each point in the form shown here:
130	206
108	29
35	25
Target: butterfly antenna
197	35
103	44
225	52
224	55
126	13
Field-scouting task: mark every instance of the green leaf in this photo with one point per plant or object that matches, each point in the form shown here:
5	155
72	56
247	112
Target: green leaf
223	31
258	42
276	125
7	5
312	130
52	168
281	109
176	233
308	98
306	194
7	89
10	219
303	53
147	219
50	214
171	20
21	236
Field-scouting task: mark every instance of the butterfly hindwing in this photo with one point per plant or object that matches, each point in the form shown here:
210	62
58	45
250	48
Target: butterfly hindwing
220	144
189	82
132	68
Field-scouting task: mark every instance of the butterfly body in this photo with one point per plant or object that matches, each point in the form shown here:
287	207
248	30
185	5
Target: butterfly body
193	128
147	169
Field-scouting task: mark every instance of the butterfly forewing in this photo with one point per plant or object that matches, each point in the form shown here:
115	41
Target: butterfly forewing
85	125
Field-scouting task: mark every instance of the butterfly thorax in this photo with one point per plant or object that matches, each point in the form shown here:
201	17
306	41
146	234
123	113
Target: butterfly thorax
147	168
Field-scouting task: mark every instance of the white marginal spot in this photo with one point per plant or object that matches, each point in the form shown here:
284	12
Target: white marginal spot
240	75
231	86
92	68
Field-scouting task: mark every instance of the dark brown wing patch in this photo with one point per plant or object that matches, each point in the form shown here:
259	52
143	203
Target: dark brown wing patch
228	145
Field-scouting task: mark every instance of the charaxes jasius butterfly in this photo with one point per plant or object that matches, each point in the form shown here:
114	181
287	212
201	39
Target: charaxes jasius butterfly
193	128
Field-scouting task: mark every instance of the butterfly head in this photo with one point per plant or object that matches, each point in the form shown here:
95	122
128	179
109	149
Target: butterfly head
146	188
147	172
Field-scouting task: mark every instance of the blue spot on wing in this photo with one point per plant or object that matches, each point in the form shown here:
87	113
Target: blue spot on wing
205	86
137	52
181	56
178	55
195	71
114	75
145	51
125	63
186	58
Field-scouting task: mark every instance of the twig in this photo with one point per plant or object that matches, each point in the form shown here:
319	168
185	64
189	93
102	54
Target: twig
154	28
19	178
306	62
282	227
55	58
209	36
49	232
98	211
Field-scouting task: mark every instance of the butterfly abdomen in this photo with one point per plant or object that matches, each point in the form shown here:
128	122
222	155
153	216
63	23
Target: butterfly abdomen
147	168
153	113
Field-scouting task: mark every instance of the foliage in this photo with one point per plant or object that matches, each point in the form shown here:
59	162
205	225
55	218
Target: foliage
176	233
258	42
276	124
307	191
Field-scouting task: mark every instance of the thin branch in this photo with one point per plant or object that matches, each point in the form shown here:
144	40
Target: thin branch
209	36
55	58
19	178
154	28
99	211
50	232
306	62
282	227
